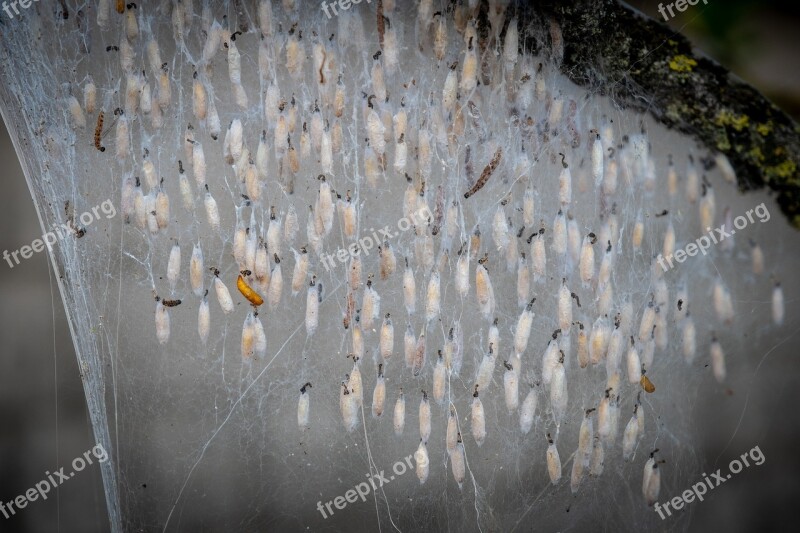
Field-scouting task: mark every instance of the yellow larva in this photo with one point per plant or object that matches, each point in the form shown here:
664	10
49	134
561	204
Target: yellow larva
523	329
300	270
553	461
510	387
348	404
162	322
478	419
379	394
312	307
399	416
174	266
196	270
275	284
777	305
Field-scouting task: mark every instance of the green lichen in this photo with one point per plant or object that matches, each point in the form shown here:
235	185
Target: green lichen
784	170
727	118
682	63
764	129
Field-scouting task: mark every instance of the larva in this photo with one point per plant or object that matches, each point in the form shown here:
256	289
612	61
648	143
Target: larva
90	97
251	295
777	305
651	480
433	299
98	131
371	305
486	174
348	406
199	99
484	290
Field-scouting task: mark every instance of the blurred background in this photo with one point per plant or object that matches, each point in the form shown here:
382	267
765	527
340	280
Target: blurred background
43	412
